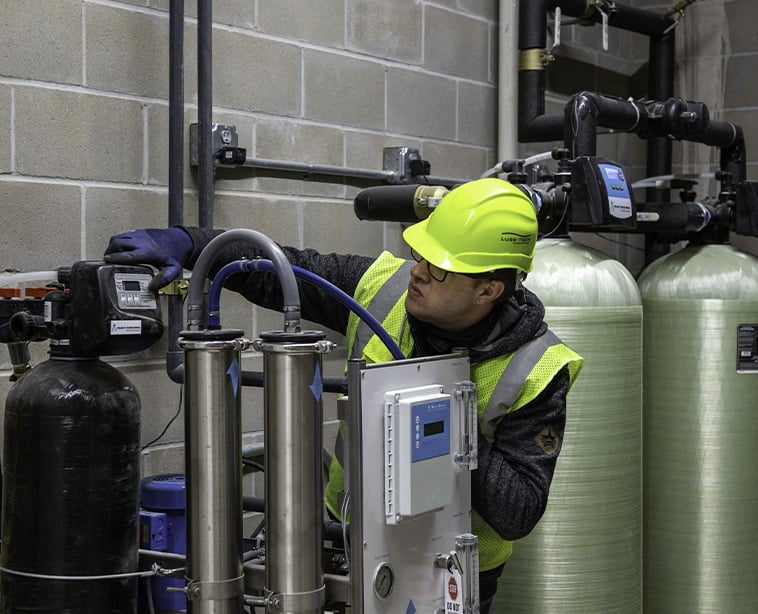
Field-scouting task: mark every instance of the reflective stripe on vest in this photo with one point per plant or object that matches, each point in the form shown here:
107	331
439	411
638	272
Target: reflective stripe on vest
512	380
380	306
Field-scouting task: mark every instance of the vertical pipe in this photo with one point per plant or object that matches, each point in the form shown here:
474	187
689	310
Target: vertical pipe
175	162
213	465
659	149
205	113
507	94
293	432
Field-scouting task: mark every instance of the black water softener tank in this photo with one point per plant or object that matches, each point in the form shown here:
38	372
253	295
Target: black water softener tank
71	449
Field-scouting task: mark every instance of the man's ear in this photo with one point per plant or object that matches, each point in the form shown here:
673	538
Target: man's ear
490	291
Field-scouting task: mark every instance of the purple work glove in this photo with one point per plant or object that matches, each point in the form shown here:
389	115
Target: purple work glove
167	249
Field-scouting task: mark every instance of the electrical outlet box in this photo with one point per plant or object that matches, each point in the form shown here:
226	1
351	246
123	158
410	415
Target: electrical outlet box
223	136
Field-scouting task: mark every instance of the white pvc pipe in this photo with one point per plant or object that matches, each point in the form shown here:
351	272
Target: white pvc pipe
507	81
24	278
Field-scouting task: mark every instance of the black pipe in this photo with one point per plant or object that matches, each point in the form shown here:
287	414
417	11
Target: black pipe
675	219
587	110
175	164
660	87
534	125
623	17
205	113
733	158
532	24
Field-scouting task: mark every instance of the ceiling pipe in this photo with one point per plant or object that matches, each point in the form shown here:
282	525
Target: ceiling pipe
534	125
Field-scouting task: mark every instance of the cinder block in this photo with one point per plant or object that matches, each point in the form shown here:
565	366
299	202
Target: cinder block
333	227
42	40
741	88
109	211
41	225
487	9
301	143
742	16
455	161
389	30
127	51
343	90
255	74
421	104
316	22
747	120
456	44
161	457
477	114
78	136
274	217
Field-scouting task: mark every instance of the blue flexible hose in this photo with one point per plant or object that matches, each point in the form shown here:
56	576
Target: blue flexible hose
214	297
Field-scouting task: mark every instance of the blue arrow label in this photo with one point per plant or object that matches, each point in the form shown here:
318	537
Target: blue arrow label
234	374
411	608
317	387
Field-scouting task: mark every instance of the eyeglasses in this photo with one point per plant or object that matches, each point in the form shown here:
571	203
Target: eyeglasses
440	275
436	273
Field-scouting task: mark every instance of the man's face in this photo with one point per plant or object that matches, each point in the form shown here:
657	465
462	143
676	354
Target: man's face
453	304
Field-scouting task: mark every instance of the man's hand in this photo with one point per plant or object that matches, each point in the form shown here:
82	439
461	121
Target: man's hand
167	249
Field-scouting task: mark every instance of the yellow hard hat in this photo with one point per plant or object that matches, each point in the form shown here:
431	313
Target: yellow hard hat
478	227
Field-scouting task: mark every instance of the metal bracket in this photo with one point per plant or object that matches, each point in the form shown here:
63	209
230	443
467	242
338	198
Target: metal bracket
297	602
218	590
400	160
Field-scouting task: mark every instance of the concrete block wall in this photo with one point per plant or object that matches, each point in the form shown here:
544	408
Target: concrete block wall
84	126
84	135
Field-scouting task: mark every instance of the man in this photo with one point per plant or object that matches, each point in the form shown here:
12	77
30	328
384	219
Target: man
463	290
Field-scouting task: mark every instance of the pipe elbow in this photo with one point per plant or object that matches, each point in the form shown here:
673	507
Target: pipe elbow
583	105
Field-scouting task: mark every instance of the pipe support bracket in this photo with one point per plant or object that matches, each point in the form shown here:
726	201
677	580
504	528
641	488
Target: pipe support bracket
218	590
310	601
534	59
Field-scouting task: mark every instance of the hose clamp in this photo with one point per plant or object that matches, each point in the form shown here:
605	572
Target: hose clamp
308	601
534	59
213	590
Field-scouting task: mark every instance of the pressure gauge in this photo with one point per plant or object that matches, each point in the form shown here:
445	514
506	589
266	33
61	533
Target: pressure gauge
384	581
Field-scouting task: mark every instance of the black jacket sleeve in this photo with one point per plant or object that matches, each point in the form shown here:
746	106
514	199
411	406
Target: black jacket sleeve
264	289
510	487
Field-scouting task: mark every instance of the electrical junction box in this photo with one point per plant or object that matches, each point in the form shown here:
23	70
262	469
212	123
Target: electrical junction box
419	470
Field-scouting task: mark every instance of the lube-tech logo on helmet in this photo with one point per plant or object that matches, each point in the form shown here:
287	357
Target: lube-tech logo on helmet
515	238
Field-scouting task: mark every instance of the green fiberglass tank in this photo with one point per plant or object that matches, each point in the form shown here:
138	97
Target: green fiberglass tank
700	504
585	554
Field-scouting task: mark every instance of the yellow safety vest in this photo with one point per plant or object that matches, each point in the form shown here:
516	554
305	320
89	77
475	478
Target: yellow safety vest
509	381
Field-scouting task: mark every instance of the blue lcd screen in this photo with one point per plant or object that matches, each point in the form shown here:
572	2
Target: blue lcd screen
619	198
430	432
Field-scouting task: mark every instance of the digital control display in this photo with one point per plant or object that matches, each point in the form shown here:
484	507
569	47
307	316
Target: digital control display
132	293
431	431
434	428
619	198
